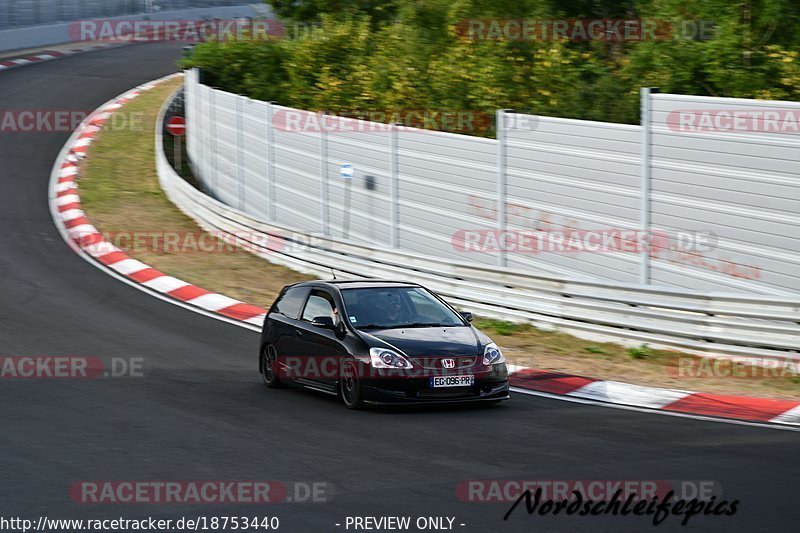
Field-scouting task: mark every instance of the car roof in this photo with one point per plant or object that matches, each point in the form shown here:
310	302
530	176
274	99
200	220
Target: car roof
356	283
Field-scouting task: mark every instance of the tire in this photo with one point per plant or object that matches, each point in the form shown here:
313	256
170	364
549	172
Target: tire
350	387
268	360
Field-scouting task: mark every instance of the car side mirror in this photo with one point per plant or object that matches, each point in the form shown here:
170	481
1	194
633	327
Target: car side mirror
469	317
325	322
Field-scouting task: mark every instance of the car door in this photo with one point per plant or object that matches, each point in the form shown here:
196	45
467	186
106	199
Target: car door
285	321
322	347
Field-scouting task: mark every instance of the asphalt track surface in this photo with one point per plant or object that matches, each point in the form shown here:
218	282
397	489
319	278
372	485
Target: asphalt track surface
201	413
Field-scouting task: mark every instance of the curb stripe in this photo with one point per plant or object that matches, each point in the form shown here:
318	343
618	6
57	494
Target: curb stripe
113	257
188	292
146	275
166	284
760	409
70	215
128	266
48	55
792	416
242	311
89	240
213	301
545	381
69	207
629	394
80	221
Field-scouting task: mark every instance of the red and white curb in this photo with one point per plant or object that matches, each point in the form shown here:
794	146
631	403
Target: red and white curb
83	237
48	55
763	410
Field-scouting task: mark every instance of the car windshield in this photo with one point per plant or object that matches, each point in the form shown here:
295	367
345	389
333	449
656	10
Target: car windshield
396	307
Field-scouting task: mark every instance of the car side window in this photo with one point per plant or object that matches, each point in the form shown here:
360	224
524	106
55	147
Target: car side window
319	304
292	301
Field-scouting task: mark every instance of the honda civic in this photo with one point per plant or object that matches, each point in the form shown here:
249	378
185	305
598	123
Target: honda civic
373	342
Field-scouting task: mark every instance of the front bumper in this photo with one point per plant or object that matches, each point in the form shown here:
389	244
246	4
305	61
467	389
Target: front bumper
490	385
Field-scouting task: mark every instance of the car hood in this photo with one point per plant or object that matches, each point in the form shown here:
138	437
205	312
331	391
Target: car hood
421	342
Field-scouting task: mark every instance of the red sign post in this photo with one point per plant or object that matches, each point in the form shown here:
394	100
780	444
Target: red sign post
176	126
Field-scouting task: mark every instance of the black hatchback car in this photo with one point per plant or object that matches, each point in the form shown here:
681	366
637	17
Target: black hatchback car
378	342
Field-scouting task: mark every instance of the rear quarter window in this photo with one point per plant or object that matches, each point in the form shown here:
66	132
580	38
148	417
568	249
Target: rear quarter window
291	302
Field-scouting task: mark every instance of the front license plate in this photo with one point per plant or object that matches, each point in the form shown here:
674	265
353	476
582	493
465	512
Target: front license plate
451	381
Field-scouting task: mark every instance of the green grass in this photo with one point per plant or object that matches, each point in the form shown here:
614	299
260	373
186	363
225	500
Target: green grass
501	327
641	352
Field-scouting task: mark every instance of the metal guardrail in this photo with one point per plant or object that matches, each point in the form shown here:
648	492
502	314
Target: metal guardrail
707	323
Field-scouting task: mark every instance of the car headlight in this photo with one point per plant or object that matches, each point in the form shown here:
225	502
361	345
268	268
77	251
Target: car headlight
386	358
492	355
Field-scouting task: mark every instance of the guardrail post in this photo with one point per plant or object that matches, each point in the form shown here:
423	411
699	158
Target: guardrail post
502	186
645	214
240	170
204	107
202	146
394	166
214	132
323	175
271	162
190	107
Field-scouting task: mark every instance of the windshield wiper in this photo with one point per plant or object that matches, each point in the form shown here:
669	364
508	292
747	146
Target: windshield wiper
412	325
422	325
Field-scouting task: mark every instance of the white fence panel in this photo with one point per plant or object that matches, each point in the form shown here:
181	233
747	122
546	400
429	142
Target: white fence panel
735	195
728	167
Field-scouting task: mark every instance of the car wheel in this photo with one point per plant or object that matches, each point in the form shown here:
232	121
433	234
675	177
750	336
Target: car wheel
269	358
350	387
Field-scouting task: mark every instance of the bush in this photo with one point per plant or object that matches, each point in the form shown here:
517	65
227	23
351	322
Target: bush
407	54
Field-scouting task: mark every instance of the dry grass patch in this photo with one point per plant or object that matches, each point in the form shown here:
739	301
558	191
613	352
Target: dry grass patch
120	193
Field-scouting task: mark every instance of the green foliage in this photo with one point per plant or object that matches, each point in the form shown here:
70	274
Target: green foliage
641	352
311	11
594	349
412	54
501	327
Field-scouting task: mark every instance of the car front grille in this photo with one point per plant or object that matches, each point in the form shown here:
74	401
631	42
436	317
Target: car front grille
435	363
